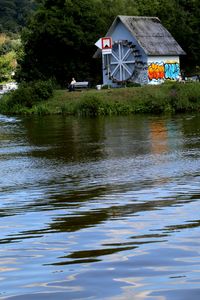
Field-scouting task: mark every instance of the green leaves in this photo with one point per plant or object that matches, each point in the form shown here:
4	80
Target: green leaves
59	40
8	49
14	14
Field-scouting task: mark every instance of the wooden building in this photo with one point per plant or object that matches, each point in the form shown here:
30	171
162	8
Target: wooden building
143	51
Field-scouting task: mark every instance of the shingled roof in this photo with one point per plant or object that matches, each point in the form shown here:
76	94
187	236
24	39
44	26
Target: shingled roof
150	34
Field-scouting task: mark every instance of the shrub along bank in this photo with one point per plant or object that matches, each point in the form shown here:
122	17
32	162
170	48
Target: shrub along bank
40	98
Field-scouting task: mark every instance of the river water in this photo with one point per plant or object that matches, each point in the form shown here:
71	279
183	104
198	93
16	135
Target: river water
101	209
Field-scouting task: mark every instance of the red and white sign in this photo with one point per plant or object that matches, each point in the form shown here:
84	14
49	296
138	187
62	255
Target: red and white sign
105	44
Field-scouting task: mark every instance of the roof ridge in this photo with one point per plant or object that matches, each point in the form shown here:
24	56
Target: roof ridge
138	17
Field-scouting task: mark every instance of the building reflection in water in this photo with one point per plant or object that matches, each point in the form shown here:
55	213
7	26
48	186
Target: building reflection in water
158	136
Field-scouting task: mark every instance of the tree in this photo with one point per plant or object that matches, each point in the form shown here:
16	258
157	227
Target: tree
187	32
8	48
7	65
181	18
59	41
14	14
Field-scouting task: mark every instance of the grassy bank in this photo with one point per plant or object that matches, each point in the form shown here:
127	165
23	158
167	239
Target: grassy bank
166	98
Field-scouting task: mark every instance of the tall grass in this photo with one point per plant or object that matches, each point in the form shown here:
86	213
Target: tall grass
166	98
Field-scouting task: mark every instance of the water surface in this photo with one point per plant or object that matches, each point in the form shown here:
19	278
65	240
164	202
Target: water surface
103	209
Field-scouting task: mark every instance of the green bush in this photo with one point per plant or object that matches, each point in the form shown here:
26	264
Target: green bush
22	96
132	84
31	93
43	89
105	87
89	106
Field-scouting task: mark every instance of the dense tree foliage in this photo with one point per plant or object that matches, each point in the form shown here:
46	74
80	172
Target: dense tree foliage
14	14
8	49
13	17
181	18
59	40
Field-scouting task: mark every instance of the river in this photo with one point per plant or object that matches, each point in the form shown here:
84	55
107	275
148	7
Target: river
100	208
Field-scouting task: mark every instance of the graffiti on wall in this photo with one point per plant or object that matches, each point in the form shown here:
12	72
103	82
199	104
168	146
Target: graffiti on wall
160	71
172	70
156	71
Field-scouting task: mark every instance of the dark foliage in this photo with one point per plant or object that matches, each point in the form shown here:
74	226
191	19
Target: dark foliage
59	40
14	14
31	93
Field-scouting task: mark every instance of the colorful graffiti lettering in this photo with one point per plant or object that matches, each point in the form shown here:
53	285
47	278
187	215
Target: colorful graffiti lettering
156	71
172	71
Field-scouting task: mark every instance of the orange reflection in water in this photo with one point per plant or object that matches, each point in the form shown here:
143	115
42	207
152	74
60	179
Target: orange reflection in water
159	137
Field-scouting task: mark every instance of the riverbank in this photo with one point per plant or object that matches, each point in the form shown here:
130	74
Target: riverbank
166	98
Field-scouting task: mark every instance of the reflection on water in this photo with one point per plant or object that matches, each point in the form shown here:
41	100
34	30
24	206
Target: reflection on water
100	208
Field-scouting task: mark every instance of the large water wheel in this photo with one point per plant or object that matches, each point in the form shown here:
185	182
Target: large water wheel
123	61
